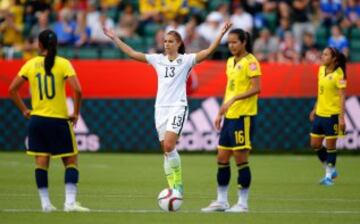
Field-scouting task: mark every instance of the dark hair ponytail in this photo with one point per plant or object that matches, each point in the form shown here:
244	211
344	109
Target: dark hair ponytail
340	59
48	40
341	62
178	38
243	36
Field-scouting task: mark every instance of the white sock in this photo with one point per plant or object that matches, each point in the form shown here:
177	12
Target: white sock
174	159
329	171
222	193
44	197
243	195
70	193
167	168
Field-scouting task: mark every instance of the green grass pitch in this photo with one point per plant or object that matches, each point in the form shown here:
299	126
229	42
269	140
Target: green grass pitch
123	188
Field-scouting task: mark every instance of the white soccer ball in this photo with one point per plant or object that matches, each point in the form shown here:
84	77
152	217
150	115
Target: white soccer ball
170	200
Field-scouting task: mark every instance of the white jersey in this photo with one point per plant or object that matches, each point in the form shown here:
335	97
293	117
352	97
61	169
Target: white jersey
172	76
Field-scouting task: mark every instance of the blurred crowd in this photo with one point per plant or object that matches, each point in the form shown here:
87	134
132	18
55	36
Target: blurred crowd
285	31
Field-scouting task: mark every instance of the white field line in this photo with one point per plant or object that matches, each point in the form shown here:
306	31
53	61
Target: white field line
114	211
146	196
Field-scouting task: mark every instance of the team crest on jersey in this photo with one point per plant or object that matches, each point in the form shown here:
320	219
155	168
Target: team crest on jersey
342	82
330	77
179	61
253	66
238	67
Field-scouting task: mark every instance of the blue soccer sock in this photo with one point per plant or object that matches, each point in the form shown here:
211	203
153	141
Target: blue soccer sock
223	179
244	181
71	180
322	154
41	177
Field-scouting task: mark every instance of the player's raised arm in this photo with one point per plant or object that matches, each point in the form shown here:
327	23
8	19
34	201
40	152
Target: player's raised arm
202	55
129	51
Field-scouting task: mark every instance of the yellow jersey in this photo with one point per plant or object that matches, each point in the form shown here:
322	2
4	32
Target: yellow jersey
48	97
239	77
328	100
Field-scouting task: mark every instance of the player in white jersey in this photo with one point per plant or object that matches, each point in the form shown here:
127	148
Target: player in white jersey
171	107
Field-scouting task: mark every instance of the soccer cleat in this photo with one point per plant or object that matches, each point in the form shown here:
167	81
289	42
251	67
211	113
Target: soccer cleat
326	181
238	208
49	208
75	207
216	206
334	175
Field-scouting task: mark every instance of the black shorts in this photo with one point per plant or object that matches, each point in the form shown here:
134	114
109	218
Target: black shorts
327	127
51	137
237	134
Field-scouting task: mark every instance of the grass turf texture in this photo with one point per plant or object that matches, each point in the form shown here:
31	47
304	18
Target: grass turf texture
123	188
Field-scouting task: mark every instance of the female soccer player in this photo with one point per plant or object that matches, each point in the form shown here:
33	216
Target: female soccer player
328	114
239	109
50	128
171	107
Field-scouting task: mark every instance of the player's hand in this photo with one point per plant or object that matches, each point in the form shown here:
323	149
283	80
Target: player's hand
109	32
27	113
74	118
217	121
224	108
226	27
342	124
312	115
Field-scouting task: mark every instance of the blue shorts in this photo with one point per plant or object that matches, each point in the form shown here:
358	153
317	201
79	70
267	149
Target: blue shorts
327	127
51	137
237	134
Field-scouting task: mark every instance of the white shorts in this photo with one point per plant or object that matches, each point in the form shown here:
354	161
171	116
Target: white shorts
170	119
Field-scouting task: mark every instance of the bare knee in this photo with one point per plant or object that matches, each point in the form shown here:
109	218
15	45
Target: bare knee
223	156
168	146
70	160
316	143
241	156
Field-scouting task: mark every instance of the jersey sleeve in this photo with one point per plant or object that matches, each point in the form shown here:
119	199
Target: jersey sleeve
68	69
340	80
254	69
151	58
24	71
192	59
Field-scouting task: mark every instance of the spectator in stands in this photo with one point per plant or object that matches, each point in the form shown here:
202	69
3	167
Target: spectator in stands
30	48
266	46
289	49
211	27
64	27
310	51
301	20
196	7
149	10
97	36
223	9
331	11
338	40
170	9
82	31
193	41
159	42
11	32
352	11
284	7
41	25
283	28
92	15
241	19
128	22
177	25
